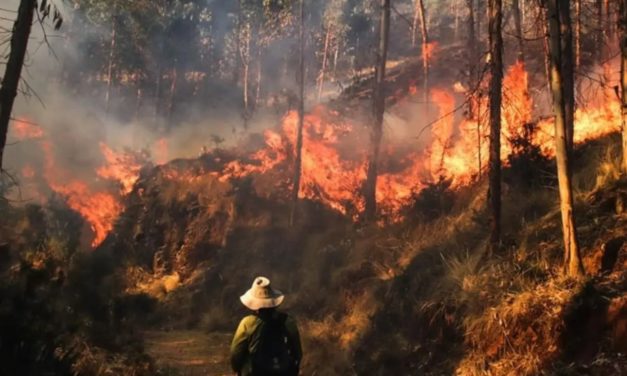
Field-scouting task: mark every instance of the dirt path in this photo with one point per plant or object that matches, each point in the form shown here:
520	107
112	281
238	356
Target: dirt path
189	353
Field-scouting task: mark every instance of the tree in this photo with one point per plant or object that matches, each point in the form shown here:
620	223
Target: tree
378	96
301	113
496	81
420	14
572	257
10	81
568	72
623	75
519	30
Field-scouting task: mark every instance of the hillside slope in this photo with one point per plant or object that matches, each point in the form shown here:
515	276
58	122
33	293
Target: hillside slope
419	296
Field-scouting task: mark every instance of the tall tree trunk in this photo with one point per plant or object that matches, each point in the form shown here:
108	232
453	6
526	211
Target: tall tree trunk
519	29
547	51
578	34
496	81
172	97
478	15
572	258
301	115
600	33
245	56
238	45
336	54
158	85
568	74
325	52
471	48
13	71
623	75
111	63
426	49
370	188
414	23
258	79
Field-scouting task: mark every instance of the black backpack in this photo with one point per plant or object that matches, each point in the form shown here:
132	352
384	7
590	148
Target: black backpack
273	355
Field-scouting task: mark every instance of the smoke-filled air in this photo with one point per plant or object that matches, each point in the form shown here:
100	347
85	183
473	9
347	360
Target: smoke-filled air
309	187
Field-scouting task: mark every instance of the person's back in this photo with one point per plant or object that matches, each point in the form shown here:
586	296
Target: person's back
267	342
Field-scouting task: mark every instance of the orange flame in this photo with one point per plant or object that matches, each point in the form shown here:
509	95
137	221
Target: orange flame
24	130
428	50
120	167
99	209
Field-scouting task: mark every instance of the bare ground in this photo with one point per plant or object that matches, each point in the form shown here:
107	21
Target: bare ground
189	353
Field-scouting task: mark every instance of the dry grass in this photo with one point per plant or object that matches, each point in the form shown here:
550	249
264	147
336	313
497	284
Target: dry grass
518	336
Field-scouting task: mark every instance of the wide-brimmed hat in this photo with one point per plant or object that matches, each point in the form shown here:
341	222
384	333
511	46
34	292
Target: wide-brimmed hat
262	295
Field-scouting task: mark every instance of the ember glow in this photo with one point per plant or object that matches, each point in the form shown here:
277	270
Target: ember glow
23	129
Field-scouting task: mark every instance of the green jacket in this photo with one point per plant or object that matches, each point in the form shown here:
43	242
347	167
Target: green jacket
241	348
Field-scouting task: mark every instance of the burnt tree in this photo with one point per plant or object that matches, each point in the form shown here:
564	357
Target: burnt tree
10	81
519	29
568	73
623	75
370	187
572	257
301	114
496	81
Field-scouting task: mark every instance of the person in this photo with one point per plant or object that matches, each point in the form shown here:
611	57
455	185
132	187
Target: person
266	342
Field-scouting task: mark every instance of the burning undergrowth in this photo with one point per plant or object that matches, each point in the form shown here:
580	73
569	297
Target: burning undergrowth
451	149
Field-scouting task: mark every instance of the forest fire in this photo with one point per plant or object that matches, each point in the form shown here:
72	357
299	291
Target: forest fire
333	171
457	150
99	209
121	167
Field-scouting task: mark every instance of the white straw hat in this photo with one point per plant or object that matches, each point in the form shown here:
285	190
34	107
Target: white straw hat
262	295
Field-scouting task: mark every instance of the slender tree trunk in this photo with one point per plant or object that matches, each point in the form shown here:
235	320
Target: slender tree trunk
479	136
471	49
258	79
325	52
238	45
111	63
13	71
600	33
172	97
301	115
623	75
572	258
335	57
245	56
370	189
568	74
578	34
158	84
496	81
414	23
609	25
426	49
139	98
519	30
478	15
547	51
